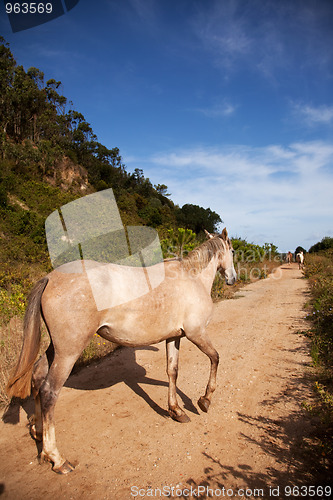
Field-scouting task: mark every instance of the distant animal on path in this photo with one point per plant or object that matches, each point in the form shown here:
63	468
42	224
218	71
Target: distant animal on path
289	258
300	260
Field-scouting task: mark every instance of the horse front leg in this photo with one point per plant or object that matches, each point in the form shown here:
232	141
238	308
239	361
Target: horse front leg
207	348
49	392
172	352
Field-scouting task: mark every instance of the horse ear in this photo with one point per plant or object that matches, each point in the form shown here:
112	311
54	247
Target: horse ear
224	234
209	236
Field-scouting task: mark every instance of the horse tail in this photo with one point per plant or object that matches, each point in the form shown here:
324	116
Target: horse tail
20	383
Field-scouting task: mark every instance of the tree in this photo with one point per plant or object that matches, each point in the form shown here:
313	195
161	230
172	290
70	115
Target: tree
198	219
7	67
324	244
270	249
162	189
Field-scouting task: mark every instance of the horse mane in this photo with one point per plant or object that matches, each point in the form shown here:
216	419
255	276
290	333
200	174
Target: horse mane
200	257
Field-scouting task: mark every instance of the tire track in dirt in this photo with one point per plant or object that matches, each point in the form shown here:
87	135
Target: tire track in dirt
111	417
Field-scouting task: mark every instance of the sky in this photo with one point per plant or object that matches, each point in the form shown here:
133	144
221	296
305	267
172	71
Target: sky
227	102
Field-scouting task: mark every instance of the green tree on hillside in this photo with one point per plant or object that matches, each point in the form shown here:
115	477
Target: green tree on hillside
7	67
198	219
324	244
39	137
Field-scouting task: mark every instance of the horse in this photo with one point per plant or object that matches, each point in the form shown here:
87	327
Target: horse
180	306
300	260
289	258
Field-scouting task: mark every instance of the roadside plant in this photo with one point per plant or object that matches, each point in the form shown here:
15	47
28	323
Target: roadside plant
178	243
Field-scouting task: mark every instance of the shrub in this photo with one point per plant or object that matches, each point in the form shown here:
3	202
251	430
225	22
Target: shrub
178	243
12	303
319	271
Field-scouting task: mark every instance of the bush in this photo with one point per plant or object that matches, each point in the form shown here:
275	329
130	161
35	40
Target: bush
325	244
319	271
178	243
12	303
3	197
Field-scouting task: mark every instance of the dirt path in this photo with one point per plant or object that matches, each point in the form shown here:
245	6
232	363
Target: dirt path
111	418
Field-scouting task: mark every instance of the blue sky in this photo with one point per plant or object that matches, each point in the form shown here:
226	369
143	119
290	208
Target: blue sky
227	102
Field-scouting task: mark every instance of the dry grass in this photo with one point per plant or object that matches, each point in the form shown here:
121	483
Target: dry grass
10	348
10	345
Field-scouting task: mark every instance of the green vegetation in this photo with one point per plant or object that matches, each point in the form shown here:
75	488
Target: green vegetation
197	218
178	243
325	244
319	271
254	261
39	137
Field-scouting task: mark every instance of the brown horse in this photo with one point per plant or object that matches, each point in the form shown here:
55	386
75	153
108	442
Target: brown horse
179	306
289	258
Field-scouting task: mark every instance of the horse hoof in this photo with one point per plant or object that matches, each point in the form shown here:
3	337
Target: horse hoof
65	468
183	418
203	404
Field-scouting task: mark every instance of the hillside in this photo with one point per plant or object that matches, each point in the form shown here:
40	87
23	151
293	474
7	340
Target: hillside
49	156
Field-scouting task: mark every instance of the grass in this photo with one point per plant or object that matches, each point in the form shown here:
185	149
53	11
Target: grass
319	272
10	346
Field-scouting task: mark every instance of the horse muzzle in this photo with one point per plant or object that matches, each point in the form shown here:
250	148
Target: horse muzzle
230	276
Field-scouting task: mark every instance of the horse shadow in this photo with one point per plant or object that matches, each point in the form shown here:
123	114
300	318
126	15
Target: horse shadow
119	366
122	366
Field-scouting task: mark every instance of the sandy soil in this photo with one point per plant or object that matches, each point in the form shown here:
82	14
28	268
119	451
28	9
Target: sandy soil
112	423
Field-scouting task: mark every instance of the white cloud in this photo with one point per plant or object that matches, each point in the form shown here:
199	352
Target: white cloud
276	194
222	33
311	115
220	109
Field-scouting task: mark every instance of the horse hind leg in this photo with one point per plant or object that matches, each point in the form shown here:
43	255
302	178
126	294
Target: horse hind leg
172	352
49	392
39	374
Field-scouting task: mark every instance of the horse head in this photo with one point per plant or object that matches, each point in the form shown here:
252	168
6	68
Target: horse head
226	256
